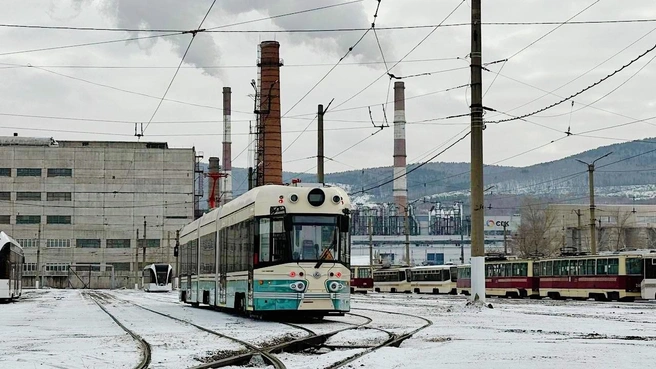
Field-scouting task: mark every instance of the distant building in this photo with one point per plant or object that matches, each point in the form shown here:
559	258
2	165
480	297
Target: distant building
84	202
618	226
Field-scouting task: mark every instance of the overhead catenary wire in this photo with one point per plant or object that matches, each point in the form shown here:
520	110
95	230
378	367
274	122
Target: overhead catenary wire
321	30
193	36
536	41
580	91
405	56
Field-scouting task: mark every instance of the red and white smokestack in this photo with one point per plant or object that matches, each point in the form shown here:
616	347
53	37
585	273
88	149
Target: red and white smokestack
227	147
400	188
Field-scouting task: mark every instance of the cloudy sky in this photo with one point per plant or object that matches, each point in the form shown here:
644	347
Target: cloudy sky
99	91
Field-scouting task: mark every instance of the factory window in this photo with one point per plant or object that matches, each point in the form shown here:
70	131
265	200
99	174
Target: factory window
58	242
5	172
5	219
58	219
58	196
60	172
88	243
118	267
176	217
28	219
28	172
27	242
28	196
29	267
57	267
113	243
149	242
5	196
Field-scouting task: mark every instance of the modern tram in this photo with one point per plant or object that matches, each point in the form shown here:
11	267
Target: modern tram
275	250
157	278
11	268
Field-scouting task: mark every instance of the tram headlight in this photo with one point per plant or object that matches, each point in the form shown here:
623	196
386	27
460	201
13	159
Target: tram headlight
335	286
297	286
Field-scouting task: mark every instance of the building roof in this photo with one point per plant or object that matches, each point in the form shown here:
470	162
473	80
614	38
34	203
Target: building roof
27	141
51	142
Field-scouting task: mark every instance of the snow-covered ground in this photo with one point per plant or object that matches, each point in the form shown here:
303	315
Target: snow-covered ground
66	329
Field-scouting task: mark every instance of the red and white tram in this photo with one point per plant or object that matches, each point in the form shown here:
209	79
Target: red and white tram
503	278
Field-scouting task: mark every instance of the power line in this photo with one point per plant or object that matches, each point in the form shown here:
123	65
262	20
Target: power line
89	44
580	91
406	55
413	169
336	64
193	36
223	66
536	41
286	14
324	30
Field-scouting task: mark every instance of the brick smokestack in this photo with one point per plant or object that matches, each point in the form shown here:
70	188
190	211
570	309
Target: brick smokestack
227	147
270	140
400	189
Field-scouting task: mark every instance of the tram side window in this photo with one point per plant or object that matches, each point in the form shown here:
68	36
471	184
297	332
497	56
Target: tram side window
264	233
634	266
508	270
279	249
520	269
193	264
208	253
590	266
364	273
454	274
650	268
183	259
602	266
614	266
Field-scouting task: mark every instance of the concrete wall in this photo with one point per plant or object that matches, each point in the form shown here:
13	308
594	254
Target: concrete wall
114	187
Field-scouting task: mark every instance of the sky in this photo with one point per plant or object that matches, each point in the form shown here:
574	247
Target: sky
99	92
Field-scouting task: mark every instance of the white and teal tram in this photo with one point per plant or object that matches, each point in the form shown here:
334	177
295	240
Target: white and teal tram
274	250
11	268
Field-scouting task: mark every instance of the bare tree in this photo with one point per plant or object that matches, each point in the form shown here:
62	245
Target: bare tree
539	232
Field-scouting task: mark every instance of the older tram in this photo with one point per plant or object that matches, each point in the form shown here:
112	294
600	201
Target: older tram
274	250
11	268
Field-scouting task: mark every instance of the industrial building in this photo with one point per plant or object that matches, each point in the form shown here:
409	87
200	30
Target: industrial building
83	210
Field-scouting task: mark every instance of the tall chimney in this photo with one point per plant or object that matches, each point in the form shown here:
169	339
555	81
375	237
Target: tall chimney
269	140
213	171
400	189
227	147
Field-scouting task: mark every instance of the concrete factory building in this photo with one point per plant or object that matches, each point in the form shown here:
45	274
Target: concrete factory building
91	205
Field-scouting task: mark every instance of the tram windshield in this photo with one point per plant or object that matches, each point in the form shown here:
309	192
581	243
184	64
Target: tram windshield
315	238
311	238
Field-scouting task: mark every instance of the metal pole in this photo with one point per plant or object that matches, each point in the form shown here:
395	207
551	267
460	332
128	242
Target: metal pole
371	243
505	243
177	258
593	229
38	281
477	202
143	257
407	236
320	176
136	259
593	226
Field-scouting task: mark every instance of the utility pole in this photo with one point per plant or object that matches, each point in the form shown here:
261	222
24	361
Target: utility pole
505	243
177	257
371	245
136	262
320	144
143	257
578	236
407	235
38	282
477	202
593	226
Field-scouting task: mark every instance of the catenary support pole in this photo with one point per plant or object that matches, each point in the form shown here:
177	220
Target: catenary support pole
477	204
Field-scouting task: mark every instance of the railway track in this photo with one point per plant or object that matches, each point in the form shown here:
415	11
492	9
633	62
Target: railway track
313	341
145	346
394	340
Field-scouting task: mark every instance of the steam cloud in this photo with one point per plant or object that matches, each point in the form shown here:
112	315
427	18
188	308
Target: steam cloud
173	14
